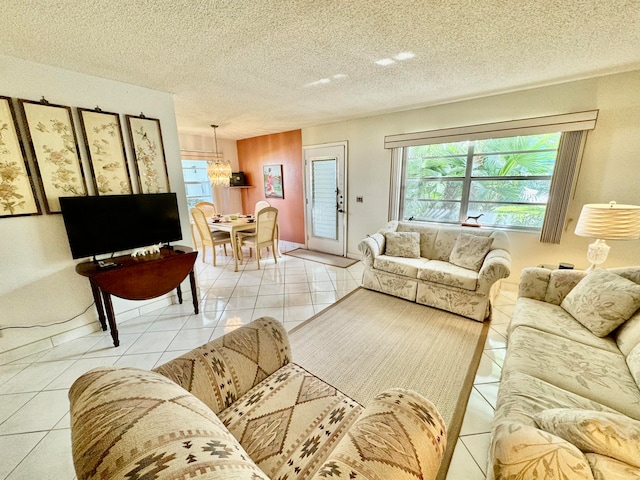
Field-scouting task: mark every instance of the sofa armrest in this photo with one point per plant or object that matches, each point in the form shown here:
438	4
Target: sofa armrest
129	423
399	435
496	265
522	451
371	247
221	371
534	282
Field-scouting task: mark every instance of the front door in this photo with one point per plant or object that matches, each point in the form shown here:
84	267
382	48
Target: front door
325	187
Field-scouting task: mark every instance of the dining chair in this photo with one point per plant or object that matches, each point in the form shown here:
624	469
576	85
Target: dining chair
207	237
259	206
209	209
264	236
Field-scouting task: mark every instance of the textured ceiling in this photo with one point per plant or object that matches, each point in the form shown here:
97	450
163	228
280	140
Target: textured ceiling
263	66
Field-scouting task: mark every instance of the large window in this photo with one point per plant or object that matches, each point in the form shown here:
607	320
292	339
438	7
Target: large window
506	180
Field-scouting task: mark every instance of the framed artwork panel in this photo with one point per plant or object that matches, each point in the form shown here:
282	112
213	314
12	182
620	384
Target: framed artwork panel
102	134
17	193
52	137
148	149
273	185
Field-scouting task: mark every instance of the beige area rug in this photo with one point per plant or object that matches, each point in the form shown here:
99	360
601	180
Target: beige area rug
320	257
368	342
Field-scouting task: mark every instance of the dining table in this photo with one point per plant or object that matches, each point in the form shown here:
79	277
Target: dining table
243	223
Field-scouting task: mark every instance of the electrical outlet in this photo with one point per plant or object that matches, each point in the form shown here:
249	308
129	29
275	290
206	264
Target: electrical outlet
360	199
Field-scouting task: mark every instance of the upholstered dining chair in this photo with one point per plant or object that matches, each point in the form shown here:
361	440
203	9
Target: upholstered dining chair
209	209
207	237
264	236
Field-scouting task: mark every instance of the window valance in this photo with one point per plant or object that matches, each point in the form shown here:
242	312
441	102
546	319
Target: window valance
569	122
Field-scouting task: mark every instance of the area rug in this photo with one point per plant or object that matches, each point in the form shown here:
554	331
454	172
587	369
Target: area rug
368	342
327	259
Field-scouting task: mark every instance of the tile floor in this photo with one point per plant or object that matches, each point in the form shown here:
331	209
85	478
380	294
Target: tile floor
34	418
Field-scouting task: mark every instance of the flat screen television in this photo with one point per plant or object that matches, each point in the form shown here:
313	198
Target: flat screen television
113	223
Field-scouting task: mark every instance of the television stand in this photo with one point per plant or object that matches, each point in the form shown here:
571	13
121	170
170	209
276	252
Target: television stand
139	278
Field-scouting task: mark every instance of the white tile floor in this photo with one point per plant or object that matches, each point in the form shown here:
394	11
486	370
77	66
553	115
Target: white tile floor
34	417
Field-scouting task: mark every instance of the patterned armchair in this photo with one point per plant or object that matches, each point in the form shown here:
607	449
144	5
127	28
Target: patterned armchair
237	408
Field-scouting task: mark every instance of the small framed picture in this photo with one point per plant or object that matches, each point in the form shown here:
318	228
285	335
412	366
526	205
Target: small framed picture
103	138
17	193
148	149
52	137
273	185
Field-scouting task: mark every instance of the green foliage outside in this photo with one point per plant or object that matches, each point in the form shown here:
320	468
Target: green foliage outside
435	177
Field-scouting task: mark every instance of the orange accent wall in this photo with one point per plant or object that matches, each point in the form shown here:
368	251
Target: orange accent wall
278	149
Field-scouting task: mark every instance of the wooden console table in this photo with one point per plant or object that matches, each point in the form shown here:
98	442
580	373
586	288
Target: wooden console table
139	278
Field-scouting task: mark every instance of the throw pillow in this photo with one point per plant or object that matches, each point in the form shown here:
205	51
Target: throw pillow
402	244
469	251
611	434
602	301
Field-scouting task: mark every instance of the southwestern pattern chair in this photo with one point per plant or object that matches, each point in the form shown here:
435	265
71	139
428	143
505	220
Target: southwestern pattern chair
237	408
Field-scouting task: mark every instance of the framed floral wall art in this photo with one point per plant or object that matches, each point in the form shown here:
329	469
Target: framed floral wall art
52	137
146	143
17	194
102	134
273	186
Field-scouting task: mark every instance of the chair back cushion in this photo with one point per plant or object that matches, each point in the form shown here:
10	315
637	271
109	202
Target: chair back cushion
221	371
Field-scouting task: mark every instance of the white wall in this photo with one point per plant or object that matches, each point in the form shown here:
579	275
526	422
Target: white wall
609	169
38	283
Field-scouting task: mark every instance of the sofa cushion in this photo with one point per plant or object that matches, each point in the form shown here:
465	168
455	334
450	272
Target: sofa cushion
605	468
469	251
521	397
611	434
407	267
520	451
628	334
602	301
633	362
561	282
553	319
446	273
582	369
428	234
290	423
128	423
402	244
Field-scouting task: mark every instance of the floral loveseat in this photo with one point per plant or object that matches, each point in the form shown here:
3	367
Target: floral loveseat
569	399
451	268
237	408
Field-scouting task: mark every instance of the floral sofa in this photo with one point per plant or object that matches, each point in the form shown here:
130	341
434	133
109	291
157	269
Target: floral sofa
452	268
569	398
238	408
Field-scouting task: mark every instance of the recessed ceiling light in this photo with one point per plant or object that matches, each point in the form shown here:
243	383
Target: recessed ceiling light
385	62
404	56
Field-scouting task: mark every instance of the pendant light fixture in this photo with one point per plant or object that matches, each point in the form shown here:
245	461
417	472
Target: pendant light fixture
218	170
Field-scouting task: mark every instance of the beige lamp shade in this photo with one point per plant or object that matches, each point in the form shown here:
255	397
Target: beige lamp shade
609	221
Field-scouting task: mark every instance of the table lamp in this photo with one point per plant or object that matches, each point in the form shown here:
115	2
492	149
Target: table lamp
607	221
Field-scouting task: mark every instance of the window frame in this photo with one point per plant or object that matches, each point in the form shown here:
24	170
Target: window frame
467	180
574	128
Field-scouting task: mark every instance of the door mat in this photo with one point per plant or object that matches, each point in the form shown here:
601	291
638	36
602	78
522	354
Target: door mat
320	257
